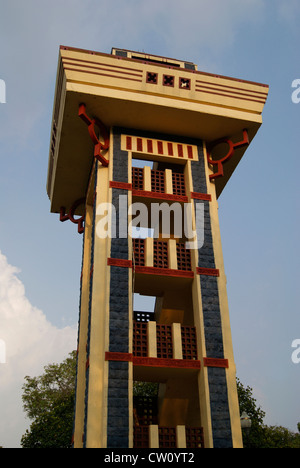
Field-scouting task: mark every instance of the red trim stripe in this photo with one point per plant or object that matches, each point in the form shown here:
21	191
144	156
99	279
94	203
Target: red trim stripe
164	272
214	362
159	196
208	271
200	196
153	362
119	262
120	357
170	363
120	185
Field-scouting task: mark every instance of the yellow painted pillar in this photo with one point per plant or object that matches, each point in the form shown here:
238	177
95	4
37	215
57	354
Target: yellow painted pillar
180	437
152	341
83	331
168	182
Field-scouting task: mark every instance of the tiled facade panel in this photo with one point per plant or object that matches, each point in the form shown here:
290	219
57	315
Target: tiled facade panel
118	410
119	310
221	423
118	397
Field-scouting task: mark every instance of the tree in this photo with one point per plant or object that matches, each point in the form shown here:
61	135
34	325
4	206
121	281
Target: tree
260	435
279	437
48	401
248	404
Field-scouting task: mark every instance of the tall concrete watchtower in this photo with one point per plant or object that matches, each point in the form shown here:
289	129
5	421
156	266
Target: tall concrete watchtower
141	141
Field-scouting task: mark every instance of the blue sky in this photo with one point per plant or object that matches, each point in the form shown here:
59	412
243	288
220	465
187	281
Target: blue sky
40	258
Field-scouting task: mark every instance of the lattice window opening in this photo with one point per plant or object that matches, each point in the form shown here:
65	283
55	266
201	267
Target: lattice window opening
168	80
164	340
140	339
157	181
141	437
137	178
185	83
189	343
152	78
138	252
146	410
178	183
184	261
160	254
194	437
167	437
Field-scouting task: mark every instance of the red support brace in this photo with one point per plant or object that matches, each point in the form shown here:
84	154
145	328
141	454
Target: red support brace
99	146
232	146
70	216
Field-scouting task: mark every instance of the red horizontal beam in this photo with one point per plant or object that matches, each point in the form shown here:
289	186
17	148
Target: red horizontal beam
120	185
159	196
164	272
208	271
170	363
120	357
214	362
153	362
119	262
201	196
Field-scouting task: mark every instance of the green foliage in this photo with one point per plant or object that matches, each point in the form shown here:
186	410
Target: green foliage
248	404
279	437
261	436
145	389
53	429
48	401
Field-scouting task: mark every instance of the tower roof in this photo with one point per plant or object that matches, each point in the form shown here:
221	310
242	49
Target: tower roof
145	93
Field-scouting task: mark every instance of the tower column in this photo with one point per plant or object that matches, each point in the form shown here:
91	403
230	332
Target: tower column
83	325
98	335
120	410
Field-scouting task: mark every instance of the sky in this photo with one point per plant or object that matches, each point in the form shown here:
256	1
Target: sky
40	258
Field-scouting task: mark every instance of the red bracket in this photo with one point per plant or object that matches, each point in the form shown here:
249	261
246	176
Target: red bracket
99	146
70	216
232	146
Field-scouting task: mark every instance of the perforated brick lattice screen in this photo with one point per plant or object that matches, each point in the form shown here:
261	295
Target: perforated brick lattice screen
137	178
167	437
189	343
178	184
141	437
139	252
164	341
194	437
146	410
183	257
140	339
158	181
160	257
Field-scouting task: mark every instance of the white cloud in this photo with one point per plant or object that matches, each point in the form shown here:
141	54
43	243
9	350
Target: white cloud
31	343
